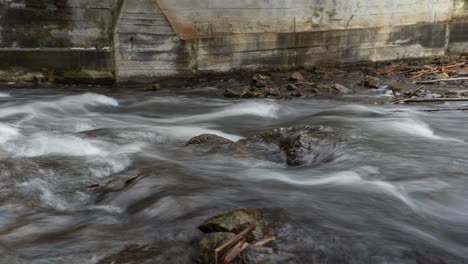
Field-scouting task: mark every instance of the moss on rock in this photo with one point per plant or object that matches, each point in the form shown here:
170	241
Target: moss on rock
234	221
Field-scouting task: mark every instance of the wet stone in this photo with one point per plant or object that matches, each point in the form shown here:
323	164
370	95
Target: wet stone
371	82
260	81
209	243
231	94
291	87
295	146
208	139
296	76
341	89
234	221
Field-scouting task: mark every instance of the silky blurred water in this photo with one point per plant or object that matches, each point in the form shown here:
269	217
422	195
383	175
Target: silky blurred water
396	193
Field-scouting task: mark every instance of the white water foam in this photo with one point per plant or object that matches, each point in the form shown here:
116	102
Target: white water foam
265	109
347	178
187	132
46	195
4	95
66	104
411	127
7	133
43	144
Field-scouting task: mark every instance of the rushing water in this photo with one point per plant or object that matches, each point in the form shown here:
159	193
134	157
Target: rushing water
397	193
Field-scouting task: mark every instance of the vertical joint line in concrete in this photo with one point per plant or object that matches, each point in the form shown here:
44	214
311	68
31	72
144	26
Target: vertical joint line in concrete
448	29
295	44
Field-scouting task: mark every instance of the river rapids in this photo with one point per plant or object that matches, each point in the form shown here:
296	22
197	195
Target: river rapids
397	191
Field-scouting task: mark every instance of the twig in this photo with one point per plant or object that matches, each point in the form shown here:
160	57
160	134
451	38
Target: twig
417	90
443	80
264	242
409	97
232	241
235	252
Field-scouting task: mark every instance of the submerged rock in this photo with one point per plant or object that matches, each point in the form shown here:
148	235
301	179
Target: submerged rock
163	252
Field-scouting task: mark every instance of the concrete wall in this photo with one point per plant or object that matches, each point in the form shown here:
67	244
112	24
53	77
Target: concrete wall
225	35
139	40
204	18
66	39
146	45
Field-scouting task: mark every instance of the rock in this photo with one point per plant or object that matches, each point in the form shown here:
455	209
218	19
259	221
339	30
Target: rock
153	87
291	87
231	94
208	139
273	91
442	76
371	82
250	94
302	145
162	252
295	146
256	92
340	88
209	243
234	221
260	81
296	76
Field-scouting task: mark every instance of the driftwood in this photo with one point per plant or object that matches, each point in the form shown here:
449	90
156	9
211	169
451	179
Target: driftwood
431	100
409	97
235	251
436	70
228	244
234	247
446	109
443	80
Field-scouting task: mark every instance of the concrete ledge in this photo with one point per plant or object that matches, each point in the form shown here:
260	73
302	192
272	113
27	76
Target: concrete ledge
61	65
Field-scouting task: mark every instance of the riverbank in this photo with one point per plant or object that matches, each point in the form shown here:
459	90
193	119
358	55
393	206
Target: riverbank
441	76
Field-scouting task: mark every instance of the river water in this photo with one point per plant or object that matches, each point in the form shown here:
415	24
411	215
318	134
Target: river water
396	192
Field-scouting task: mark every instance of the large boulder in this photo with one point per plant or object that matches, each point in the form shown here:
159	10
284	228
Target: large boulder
302	145
295	146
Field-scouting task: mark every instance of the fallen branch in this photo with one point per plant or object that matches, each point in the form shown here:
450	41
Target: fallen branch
445	109
228	244
235	252
409	97
431	100
443	80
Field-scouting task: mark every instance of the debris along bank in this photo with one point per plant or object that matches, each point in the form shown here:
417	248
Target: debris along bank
140	40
